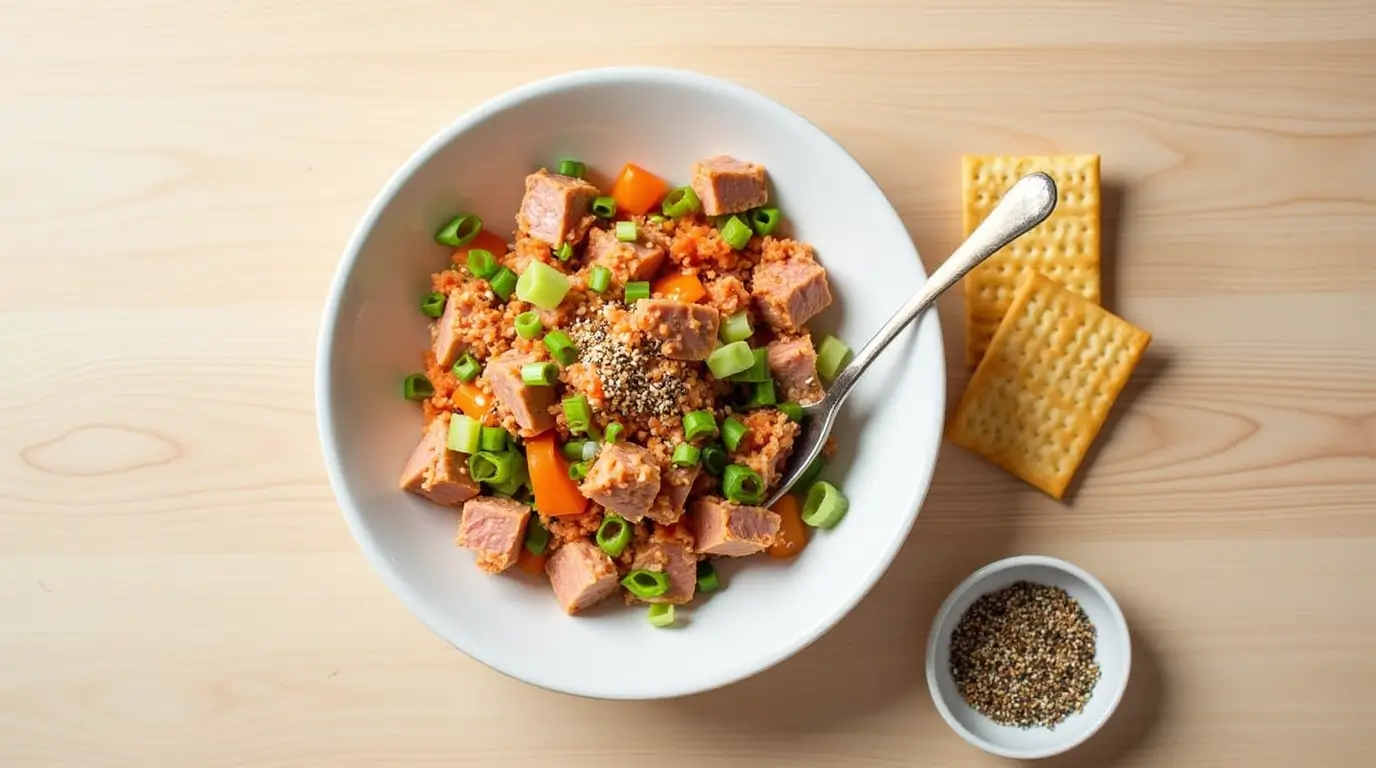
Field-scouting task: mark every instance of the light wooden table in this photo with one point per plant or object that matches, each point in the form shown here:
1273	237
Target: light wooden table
178	178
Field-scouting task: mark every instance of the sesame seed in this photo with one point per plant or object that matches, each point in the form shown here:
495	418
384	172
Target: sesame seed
1024	656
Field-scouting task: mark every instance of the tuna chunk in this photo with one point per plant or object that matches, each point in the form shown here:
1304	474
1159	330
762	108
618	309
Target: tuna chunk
790	292
793	363
724	527
581	574
494	528
530	405
673	559
446	333
437	473
555	208
624	479
677	483
627	261
727	185
685	331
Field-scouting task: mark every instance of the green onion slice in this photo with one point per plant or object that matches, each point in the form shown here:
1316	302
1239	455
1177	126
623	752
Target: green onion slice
537	536
758	370
528	325
599	279
561	347
762	394
736	328
730	359
685	455
643	583
572	168
503	283
459	231
637	290
742	484
699	424
433	304
613	535
564	252
626	231
417	387
579	470
732	431
539	374
707	577
825	506
494	467
680	202
493	439
765	220
661	614
714	459
612	432
482	263
467	368
832	357
604	207
736	233
465	434
542	285
577	413
793	411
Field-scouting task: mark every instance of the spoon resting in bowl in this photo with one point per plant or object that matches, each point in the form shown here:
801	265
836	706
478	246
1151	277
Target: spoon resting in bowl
1026	205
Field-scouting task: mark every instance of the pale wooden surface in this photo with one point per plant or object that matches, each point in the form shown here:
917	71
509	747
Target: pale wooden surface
178	178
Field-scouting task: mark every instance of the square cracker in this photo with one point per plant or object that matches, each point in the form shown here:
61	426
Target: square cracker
1045	386
1065	247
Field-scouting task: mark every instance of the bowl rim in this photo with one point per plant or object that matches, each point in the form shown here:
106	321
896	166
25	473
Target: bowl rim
330	322
943	618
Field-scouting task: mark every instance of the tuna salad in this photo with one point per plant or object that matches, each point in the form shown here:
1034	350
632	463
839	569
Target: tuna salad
610	394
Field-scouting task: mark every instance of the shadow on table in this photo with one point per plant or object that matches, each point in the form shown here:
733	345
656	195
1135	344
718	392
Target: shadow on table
1144	702
875	655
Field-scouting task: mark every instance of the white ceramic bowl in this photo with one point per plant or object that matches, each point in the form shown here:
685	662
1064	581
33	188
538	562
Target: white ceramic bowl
1113	653
373	334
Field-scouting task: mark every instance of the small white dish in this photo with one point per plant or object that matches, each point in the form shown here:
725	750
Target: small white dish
1113	652
372	336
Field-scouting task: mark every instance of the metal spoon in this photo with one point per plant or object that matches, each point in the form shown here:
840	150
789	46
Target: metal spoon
1025	206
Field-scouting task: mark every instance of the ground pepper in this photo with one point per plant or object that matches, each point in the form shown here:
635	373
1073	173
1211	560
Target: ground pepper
1024	656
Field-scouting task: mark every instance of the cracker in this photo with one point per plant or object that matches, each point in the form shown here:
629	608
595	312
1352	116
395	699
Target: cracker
1045	386
1065	247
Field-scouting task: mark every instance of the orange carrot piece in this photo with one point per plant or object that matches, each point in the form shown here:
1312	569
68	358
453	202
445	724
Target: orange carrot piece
471	400
792	533
636	190
556	495
531	564
680	286
485	240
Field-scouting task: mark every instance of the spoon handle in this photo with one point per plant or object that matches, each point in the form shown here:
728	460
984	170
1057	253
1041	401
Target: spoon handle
1025	205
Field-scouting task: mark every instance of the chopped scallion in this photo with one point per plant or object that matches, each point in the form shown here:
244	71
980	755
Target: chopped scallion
699	424
643	583
493	439
793	411
503	283
714	459
736	233
433	304
742	484
825	506
561	347
612	432
572	168
626	231
460	231
732	431
604	207
707	577
542	285
564	252
528	325
494	467
539	374
465	434
482	263
765	220
613	535
537	536
680	202
466	368
661	614
417	387
762	394
637	290
685	455
577	413
832	357
730	359
599	279
736	328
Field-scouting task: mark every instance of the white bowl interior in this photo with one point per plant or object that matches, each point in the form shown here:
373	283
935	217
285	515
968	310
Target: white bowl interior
1113	653
373	335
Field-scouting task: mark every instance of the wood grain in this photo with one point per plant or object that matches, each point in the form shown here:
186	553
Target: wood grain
177	180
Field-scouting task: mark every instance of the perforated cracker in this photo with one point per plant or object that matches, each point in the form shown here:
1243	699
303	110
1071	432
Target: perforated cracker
1065	247
1046	384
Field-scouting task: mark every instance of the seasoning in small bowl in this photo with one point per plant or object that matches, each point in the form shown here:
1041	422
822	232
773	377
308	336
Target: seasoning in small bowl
1028	657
